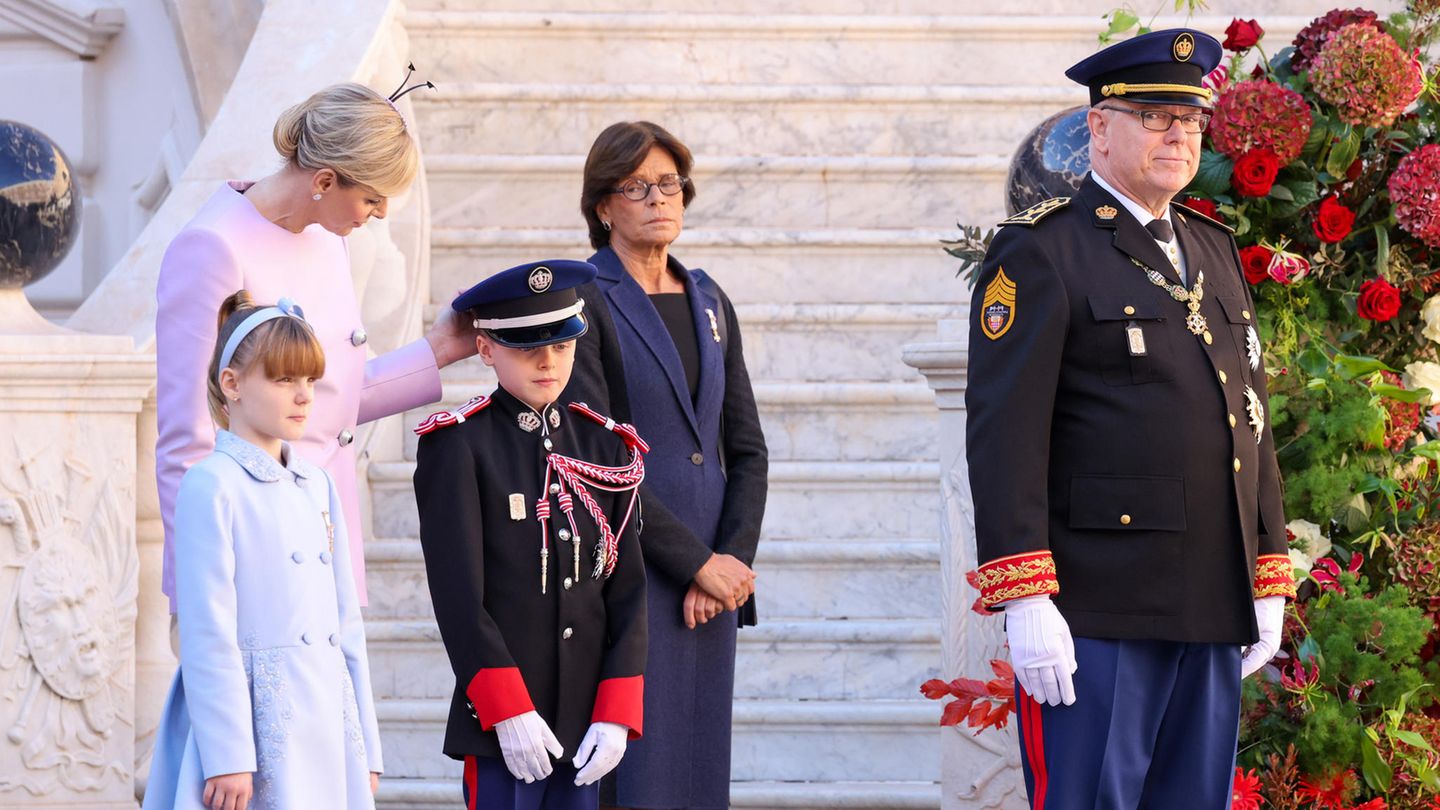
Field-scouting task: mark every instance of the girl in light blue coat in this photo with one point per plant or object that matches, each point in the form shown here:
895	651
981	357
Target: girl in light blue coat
271	707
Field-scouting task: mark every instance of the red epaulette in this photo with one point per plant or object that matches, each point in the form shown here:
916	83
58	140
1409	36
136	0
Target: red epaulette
440	419
627	432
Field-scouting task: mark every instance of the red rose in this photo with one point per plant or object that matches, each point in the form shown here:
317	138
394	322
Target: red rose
1255	262
1333	221
1242	34
1379	300
1255	172
1206	207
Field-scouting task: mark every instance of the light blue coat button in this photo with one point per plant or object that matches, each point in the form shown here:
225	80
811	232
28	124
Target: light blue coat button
297	557
334	640
305	637
325	557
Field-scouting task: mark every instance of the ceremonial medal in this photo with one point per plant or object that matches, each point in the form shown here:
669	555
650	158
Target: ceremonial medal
714	325
1256	412
517	506
1135	338
1195	322
1252	347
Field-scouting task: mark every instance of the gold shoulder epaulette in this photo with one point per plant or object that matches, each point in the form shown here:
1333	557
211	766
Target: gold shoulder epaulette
1203	218
1036	212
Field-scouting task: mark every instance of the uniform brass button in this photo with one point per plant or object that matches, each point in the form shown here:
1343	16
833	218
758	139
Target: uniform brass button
568	633
697	459
358	337
1232	420
345	438
1208	338
1129	310
569	583
1223	377
1124	520
1237	465
1245	313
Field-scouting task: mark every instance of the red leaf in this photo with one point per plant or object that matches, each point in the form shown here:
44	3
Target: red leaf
973	577
978	713
979	607
1002	669
934	689
999	715
968	687
954	712
1000	689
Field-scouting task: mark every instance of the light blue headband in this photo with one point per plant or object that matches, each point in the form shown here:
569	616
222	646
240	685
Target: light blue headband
284	308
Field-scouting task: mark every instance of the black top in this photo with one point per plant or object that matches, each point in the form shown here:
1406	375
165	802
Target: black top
674	309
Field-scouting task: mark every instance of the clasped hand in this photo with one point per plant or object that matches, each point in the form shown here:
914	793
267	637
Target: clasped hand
722	583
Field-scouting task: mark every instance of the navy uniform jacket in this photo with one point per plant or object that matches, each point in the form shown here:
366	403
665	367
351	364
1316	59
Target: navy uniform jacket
1118	461
576	653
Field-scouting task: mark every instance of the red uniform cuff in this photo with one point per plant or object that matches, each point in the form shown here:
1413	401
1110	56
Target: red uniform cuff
1273	576
1018	575
622	701
498	694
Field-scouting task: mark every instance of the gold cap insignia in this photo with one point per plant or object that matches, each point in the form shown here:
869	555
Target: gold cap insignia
998	311
1184	47
1107	212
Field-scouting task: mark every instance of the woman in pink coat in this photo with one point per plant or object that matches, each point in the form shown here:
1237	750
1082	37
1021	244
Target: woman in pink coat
346	150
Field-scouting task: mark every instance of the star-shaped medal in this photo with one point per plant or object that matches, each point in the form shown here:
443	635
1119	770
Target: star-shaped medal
1252	347
1256	411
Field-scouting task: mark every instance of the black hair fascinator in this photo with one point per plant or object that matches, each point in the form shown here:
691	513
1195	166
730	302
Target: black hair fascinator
402	89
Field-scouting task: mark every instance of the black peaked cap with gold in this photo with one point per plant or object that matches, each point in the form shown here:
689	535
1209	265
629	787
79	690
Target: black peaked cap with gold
1161	67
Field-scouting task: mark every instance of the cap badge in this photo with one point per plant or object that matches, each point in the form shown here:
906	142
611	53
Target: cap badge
1184	47
1107	212
998	313
540	279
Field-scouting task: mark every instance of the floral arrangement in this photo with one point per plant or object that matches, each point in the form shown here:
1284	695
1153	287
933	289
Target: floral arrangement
1323	157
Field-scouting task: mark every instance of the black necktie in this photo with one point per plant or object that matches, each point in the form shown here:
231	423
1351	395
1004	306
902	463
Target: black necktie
1161	230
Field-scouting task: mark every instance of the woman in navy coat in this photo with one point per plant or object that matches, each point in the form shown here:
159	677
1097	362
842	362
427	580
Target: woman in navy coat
664	353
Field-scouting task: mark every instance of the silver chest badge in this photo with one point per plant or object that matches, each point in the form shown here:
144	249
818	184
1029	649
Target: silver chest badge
1252	347
1256	411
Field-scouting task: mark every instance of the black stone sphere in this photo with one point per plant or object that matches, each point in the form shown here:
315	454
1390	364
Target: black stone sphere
39	205
1050	162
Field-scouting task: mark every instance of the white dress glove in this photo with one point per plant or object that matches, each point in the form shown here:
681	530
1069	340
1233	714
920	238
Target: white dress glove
1041	649
600	752
525	740
1270	618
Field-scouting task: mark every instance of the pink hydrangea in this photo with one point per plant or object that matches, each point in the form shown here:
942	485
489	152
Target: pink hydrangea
1260	114
1415	193
1366	75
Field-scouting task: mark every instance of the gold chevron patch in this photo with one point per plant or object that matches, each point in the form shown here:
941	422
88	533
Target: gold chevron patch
998	313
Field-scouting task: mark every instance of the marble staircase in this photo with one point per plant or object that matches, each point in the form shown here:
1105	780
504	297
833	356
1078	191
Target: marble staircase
835	143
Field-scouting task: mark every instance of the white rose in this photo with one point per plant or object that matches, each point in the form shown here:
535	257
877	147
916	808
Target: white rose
1300	562
1423	375
1430	314
1309	540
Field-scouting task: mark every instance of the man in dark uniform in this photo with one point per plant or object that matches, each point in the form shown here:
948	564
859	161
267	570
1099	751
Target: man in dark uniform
1127	499
527	519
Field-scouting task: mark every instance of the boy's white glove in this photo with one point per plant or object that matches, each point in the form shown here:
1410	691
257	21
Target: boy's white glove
600	752
1270	618
1041	649
527	743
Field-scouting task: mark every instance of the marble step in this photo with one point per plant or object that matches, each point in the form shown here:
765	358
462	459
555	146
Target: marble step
802	421
1219	11
772	740
818	342
422	794
823	118
804	192
809	579
853	500
855	659
754	265
769	48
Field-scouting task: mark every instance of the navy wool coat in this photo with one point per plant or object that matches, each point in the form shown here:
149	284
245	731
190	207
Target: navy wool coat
704	493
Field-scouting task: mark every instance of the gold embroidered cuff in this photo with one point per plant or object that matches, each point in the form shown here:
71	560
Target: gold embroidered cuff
1273	576
1018	575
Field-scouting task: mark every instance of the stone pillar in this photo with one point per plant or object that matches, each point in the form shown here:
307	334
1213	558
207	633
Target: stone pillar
975	771
68	567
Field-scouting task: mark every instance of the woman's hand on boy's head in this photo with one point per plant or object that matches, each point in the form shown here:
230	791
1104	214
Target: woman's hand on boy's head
451	337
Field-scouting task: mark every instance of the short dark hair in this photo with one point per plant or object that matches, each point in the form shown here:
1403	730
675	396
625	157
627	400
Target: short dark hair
617	152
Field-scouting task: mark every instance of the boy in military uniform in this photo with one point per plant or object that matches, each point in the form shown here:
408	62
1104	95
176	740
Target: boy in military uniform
530	539
1127	498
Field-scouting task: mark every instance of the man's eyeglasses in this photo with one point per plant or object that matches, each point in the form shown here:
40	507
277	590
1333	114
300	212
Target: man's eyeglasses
1161	121
637	190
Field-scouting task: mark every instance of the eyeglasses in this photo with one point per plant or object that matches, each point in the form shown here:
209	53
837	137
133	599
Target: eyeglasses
1161	121
637	190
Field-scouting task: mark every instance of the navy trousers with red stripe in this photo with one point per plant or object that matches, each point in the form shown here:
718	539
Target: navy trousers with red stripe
1153	727
488	785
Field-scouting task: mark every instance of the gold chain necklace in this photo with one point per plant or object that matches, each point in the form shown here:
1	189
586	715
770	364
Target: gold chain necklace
1195	322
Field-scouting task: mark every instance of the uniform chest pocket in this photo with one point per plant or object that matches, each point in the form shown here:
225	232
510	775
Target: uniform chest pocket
1133	339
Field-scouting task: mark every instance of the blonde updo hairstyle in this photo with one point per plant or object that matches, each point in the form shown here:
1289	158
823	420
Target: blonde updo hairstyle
353	131
287	347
